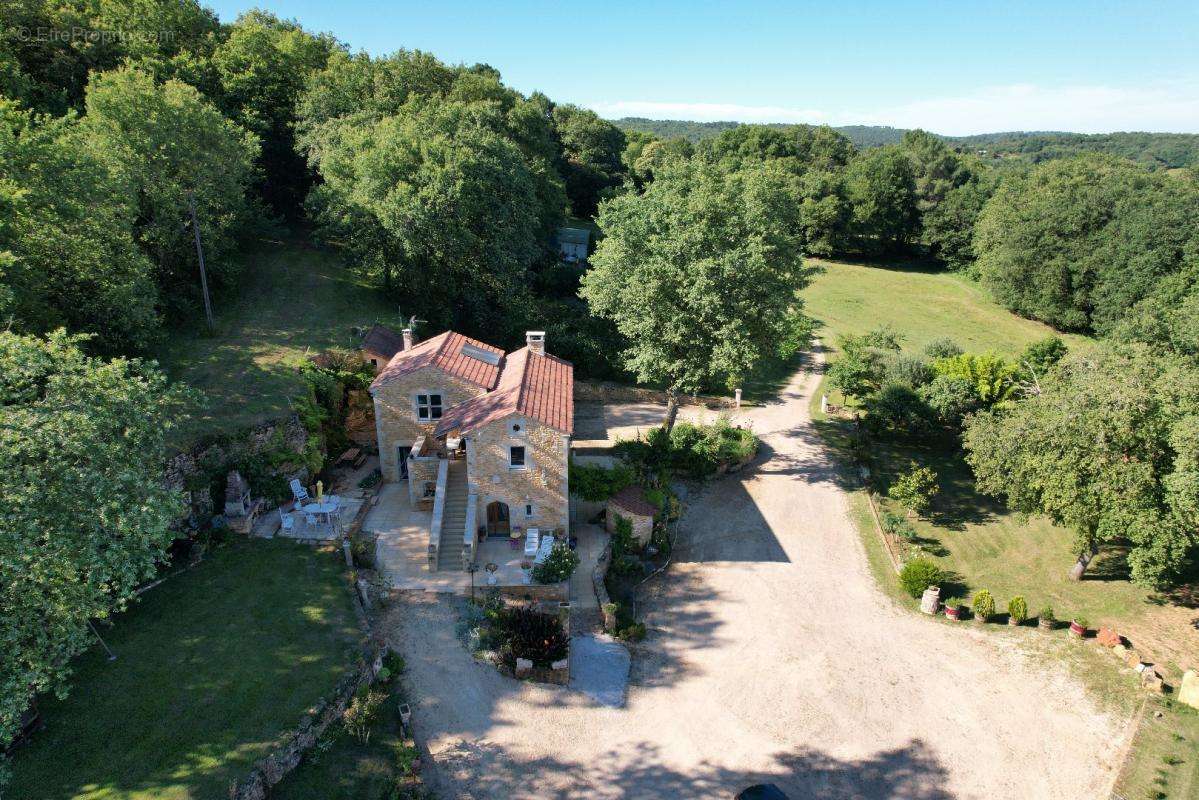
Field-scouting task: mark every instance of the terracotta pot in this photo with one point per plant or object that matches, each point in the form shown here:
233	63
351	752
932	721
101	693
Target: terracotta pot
953	612
1046	624
1077	631
1012	621
978	618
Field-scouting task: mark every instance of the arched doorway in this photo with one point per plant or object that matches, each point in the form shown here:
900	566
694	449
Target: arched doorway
497	519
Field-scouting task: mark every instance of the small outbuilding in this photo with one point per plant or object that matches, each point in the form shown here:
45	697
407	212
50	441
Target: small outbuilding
631	503
381	343
573	244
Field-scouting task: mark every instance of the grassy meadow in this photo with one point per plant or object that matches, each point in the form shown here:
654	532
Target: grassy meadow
294	299
212	667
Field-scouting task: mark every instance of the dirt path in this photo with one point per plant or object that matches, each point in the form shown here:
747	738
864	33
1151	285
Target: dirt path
772	656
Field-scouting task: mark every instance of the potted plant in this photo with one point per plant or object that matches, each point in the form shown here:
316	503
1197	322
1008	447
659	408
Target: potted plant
1078	627
1017	610
953	609
526	572
1045	619
983	606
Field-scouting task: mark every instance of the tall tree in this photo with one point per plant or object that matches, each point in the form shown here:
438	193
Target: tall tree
951	189
264	65
881	189
86	516
68	235
166	143
591	157
700	273
1108	448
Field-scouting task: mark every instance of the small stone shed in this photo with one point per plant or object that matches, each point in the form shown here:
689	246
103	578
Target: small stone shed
631	503
381	343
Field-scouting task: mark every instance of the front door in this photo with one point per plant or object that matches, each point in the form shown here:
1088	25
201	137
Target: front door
402	461
497	519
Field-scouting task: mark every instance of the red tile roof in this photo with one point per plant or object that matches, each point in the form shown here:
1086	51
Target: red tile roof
534	385
445	351
632	499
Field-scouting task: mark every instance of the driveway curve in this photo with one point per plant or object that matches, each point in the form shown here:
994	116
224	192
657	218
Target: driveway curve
772	656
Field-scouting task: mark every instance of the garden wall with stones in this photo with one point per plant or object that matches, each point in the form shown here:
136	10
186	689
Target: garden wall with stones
277	447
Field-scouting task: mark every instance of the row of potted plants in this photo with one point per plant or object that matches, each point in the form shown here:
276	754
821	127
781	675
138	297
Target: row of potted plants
982	609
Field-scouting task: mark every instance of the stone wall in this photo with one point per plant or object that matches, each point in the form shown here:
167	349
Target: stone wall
535	592
192	471
606	392
395	414
542	483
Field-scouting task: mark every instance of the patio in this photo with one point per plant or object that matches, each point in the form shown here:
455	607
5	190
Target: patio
401	552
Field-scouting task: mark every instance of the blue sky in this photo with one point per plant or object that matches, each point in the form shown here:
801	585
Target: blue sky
955	68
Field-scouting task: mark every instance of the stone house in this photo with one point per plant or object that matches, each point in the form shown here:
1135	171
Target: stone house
481	437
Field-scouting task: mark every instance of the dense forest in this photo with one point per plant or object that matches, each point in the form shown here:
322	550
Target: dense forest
1166	150
445	186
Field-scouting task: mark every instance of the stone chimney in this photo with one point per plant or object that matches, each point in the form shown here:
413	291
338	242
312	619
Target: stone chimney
536	341
408	338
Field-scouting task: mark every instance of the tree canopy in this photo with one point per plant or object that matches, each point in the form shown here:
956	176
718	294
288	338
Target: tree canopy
86	514
1077	242
1108	448
700	273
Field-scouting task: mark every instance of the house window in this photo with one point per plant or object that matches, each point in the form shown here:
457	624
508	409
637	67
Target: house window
528	509
428	406
516	457
375	362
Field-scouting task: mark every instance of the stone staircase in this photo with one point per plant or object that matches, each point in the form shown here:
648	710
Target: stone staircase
453	521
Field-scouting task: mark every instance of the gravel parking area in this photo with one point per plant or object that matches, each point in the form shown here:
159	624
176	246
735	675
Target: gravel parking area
772	656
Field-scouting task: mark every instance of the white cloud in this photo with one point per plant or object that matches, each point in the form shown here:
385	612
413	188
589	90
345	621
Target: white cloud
1170	107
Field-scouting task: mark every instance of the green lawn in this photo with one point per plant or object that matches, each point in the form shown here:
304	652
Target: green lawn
294	299
923	306
212	667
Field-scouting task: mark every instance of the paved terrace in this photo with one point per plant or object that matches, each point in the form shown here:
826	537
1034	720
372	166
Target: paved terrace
401	552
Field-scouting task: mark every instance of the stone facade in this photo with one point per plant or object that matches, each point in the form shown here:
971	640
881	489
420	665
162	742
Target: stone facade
396	424
542	483
643	526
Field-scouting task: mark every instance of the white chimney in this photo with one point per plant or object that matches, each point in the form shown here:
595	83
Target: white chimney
536	341
408	341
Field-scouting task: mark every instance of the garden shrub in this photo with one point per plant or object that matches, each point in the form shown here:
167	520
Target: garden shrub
919	574
897	525
362	712
558	565
596	483
1046	613
915	489
532	635
624	548
983	605
942	348
696	451
897	410
950	398
1017	608
908	370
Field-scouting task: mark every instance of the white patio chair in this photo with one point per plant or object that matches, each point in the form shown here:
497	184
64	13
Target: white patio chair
298	490
286	521
532	542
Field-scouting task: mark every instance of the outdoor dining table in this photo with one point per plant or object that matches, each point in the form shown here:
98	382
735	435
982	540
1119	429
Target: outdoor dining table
328	506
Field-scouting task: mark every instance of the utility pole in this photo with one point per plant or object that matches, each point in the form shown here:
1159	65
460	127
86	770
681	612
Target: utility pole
191	201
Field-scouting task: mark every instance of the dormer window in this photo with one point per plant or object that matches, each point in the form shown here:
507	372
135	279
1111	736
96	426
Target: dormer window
428	406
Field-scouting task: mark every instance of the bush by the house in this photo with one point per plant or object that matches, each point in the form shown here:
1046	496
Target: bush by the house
897	525
696	451
624	548
362	711
596	483
558	565
919	574
983	605
532	635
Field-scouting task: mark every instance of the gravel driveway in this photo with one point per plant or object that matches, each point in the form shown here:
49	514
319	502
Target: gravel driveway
772	656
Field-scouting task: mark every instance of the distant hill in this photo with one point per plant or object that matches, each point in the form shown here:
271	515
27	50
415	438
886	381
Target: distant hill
1164	150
